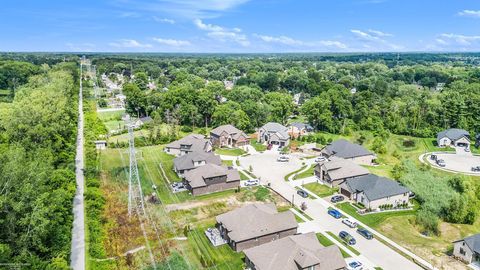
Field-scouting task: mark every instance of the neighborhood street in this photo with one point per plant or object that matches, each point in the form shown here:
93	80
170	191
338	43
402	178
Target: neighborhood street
77	256
373	252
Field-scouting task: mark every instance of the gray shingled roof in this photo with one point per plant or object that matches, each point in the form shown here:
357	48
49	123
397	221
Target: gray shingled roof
301	125
194	142
281	130
185	162
255	220
229	129
473	242
339	168
345	149
146	119
303	250
375	187
196	177
453	134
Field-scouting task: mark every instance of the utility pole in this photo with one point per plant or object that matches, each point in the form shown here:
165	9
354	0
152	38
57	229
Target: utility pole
135	196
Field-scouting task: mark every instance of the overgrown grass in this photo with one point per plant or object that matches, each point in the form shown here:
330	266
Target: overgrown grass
320	190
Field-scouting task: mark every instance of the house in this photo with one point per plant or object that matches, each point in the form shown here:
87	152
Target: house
273	133
337	170
373	191
468	249
296	130
347	150
255	224
211	178
189	143
142	121
192	160
228	136
295	252
453	137
101	145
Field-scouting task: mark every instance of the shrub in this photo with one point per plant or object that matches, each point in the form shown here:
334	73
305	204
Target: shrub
428	221
408	143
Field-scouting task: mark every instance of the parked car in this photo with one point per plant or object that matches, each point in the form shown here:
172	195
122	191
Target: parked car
302	193
467	149
355	265
337	198
283	158
269	147
334	213
433	157
476	169
365	233
320	159
350	223
345	236
441	162
252	182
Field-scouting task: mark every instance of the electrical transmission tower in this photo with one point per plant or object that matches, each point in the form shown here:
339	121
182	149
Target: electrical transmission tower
135	196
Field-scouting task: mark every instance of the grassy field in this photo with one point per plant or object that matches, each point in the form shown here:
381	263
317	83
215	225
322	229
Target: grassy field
110	115
114	125
324	241
306	173
372	220
229	152
320	190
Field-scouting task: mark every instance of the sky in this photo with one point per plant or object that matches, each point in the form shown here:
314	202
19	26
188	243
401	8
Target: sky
240	26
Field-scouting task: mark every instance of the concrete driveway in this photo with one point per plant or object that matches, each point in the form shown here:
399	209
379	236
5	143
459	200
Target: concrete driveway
462	162
373	252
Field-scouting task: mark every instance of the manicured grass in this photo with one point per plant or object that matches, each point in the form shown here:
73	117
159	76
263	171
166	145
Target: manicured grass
110	115
372	220
243	176
294	172
306	173
320	190
114	125
343	243
324	241
229	152
303	213
227	163
258	146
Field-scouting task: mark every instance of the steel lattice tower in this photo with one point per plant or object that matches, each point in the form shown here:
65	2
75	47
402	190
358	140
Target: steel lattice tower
135	196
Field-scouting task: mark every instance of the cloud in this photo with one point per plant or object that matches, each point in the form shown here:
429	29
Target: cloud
223	34
374	37
379	33
81	47
469	13
163	20
458	39
172	42
129	43
284	40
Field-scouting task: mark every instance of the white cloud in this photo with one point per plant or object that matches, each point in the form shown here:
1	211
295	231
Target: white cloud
375	37
460	39
379	33
163	20
441	41
223	34
469	13
81	47
129	43
172	42
284	40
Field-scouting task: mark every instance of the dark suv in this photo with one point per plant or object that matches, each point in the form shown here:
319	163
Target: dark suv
337	198
302	193
345	236
365	233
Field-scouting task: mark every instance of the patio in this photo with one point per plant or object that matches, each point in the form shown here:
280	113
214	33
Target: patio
213	234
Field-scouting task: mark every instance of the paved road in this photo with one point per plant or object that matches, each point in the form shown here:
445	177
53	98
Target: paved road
373	252
77	256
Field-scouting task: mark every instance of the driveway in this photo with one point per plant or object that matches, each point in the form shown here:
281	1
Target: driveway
373	252
457	162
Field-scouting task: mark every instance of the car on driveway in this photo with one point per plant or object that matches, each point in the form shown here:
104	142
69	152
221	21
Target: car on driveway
365	233
355	265
251	182
337	198
302	193
345	236
433	157
320	159
334	213
476	169
441	162
350	223
283	159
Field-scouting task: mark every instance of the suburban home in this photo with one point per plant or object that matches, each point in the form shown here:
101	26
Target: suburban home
337	170
373	191
192	160
211	178
228	136
295	252
187	144
347	150
468	249
296	130
273	133
453	137
142	121
255	224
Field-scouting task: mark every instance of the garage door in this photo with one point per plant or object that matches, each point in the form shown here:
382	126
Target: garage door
345	192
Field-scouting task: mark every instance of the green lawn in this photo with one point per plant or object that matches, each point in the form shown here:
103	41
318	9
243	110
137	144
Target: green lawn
320	190
306	173
294	172
243	176
110	115
343	243
258	146
229	152
114	125
372	220
227	163
324	241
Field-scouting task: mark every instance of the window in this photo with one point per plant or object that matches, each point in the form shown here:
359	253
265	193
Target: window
462	251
